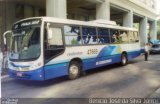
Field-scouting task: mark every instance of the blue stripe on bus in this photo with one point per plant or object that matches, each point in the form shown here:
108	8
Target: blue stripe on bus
61	69
91	63
134	54
109	50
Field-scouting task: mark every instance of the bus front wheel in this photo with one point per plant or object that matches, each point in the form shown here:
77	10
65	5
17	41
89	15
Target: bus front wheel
74	70
124	59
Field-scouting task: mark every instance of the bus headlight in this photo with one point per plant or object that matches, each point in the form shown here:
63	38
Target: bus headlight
35	66
18	68
24	68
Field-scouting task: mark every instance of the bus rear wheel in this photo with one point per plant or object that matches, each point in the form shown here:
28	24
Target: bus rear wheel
124	59
74	70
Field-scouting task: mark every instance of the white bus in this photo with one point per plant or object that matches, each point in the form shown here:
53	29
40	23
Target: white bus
44	48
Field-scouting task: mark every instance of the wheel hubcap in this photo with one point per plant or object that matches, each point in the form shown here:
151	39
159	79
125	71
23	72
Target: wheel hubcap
74	70
124	59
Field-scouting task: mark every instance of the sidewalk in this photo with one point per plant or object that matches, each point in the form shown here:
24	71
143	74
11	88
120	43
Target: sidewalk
5	78
4	72
4	75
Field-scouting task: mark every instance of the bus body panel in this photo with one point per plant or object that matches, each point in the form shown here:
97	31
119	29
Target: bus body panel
106	55
134	54
56	70
59	66
95	53
99	62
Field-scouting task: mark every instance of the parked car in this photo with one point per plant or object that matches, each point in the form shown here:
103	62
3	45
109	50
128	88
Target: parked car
153	41
155	48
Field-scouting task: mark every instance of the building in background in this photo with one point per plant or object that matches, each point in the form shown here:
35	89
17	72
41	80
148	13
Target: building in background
129	13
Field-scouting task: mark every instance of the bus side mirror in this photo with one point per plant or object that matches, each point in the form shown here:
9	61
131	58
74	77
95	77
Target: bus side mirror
4	36
5	40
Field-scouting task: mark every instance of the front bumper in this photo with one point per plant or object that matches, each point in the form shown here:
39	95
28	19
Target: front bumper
37	75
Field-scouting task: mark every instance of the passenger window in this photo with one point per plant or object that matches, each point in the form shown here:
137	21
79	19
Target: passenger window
131	37
136	36
89	35
115	37
124	36
72	35
103	36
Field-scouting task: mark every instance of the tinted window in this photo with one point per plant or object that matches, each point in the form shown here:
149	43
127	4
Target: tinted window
103	36
115	37
89	35
136	36
123	37
72	35
131	37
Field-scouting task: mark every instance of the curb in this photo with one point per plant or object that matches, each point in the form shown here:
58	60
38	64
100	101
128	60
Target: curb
4	78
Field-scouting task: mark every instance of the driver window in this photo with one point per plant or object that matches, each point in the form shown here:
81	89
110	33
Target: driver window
56	37
56	40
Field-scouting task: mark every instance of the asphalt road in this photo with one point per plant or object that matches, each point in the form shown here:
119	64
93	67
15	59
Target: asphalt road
139	79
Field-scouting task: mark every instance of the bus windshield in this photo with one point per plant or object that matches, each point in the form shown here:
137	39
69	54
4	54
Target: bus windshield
26	43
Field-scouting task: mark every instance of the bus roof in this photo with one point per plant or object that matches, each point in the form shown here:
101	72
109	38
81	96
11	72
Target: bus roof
83	23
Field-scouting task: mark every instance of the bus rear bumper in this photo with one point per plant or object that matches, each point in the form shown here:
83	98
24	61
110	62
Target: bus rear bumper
36	75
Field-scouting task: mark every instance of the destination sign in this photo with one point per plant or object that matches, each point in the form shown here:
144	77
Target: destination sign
26	23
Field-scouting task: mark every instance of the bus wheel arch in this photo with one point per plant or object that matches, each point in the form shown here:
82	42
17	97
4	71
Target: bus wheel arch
124	58
75	68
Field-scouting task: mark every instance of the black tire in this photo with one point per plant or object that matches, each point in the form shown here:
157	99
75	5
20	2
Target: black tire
74	70
124	59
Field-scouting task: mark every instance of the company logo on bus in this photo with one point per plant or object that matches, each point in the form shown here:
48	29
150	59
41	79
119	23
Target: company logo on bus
36	22
27	23
104	62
